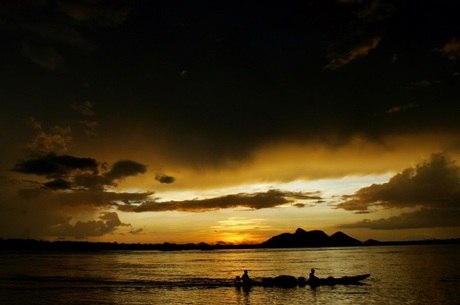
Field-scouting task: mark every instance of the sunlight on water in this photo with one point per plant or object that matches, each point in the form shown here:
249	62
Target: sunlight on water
399	275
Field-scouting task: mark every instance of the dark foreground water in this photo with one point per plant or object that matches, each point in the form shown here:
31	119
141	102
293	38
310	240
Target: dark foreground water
399	275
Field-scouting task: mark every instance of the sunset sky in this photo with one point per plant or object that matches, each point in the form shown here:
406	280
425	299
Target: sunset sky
229	121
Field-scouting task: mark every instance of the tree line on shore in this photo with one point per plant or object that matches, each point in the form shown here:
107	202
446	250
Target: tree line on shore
299	239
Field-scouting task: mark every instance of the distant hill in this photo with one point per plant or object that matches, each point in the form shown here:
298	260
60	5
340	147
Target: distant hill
315	238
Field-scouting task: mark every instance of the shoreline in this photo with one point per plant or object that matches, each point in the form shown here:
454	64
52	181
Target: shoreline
86	246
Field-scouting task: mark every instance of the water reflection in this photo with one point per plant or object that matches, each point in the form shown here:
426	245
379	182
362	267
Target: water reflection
242	296
46	278
399	275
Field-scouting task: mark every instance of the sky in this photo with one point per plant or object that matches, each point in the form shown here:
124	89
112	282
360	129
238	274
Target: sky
229	121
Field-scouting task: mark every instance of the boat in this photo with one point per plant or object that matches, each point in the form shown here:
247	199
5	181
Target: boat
289	281
332	281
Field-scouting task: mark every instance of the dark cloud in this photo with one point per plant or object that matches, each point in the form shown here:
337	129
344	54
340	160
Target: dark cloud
262	200
100	13
76	173
165	179
136	231
435	184
41	212
363	34
252	75
433	188
58	34
89	124
88	181
424	218
90	127
45	56
76	184
356	52
452	49
51	28
83	198
375	11
125	168
54	141
400	108
56	166
85	108
58	184
107	222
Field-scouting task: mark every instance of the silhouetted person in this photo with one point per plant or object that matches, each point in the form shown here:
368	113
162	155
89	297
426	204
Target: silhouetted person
245	278
313	279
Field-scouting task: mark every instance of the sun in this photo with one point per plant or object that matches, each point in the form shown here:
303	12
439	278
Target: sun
237	238
239	230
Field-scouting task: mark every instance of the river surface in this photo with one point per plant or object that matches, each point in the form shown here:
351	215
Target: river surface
399	275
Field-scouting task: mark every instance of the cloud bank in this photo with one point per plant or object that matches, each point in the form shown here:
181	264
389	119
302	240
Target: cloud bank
260	200
76	173
62	190
432	188
56	140
452	49
356	52
106	223
64	25
78	185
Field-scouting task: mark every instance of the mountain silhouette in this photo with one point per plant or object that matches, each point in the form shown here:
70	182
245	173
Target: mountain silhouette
315	238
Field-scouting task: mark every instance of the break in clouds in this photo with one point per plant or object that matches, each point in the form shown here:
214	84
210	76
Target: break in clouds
430	192
431	189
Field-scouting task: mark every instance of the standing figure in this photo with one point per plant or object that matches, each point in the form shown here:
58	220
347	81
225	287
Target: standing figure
313	279
245	278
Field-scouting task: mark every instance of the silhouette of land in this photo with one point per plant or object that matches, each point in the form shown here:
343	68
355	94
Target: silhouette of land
299	239
315	238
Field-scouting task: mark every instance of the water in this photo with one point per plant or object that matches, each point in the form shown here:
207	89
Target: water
399	275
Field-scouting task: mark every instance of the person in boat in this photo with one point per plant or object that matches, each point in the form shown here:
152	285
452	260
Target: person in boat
238	280
245	280
313	279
